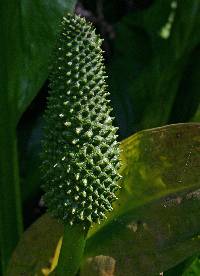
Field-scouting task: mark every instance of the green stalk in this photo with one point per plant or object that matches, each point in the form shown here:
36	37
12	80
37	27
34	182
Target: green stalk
80	152
10	208
72	249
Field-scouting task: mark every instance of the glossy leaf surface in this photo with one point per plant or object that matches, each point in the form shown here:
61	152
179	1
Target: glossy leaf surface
26	47
147	67
28	30
154	225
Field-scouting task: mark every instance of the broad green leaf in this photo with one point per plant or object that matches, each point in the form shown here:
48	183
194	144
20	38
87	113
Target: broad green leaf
150	239
156	163
154	225
28	31
34	253
146	68
10	200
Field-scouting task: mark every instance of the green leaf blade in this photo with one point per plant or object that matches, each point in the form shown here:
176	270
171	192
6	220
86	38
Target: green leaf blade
28	31
144	92
155	225
40	21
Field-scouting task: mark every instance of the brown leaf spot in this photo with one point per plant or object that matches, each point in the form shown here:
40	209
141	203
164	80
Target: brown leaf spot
99	266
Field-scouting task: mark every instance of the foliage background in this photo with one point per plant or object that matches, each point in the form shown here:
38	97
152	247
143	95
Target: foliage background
152	81
152	56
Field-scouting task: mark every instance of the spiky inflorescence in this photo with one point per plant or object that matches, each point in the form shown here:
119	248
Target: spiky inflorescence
80	151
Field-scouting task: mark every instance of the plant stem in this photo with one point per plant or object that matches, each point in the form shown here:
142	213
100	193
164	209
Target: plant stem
72	249
10	60
10	203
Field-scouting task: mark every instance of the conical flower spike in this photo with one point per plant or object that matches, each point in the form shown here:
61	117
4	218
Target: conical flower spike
80	151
